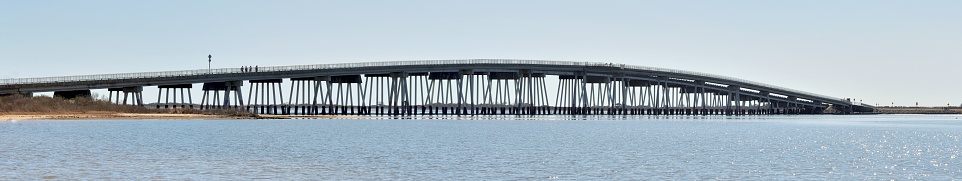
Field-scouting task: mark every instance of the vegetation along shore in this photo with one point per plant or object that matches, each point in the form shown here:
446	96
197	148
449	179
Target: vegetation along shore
17	107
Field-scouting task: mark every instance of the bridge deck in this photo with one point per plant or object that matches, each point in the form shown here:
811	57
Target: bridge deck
671	77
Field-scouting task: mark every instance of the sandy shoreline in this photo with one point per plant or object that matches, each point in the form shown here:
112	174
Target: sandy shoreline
108	116
32	116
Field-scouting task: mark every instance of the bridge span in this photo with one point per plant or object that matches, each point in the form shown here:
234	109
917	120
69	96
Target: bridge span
448	87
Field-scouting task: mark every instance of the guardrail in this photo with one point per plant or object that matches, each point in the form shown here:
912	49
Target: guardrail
222	71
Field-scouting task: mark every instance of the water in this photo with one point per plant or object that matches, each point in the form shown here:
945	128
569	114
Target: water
656	148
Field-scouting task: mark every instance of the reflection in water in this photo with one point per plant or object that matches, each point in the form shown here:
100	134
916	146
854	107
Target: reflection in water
451	148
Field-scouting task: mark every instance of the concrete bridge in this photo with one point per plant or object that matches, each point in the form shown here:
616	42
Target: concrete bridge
449	87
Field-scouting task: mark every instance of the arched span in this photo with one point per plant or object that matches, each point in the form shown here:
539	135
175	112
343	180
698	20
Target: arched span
570	69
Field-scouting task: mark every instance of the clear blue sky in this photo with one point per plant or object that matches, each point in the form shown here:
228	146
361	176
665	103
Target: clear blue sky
878	51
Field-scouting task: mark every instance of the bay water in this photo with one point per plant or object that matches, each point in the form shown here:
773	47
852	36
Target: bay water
795	147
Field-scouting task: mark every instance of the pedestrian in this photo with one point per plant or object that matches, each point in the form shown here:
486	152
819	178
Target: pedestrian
255	68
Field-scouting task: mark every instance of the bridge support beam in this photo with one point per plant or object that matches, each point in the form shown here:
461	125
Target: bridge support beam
416	86
537	93
134	94
766	106
585	94
322	96
343	101
389	93
792	105
463	93
599	94
399	94
264	95
518	93
168	93
213	99
302	92
638	96
379	93
444	93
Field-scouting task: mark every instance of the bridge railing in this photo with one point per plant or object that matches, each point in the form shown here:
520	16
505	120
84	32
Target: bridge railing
269	69
420	63
201	72
120	76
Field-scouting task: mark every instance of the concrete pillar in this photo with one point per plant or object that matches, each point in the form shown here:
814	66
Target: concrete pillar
737	98
133	95
212	97
179	90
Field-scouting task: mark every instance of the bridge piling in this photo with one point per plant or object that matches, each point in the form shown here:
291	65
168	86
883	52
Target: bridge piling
469	92
183	90
265	95
213	100
302	89
376	86
134	93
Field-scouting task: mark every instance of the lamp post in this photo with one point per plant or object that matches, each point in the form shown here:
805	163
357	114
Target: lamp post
208	63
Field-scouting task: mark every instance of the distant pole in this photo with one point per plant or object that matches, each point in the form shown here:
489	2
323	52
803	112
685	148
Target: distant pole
208	63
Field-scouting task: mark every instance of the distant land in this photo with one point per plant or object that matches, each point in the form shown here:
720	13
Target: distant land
918	110
17	107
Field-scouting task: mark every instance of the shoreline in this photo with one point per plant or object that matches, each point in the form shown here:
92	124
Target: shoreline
99	115
33	116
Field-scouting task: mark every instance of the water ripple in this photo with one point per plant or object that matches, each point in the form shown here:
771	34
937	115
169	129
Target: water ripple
611	148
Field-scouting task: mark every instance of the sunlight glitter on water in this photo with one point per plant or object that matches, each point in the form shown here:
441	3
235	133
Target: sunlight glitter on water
684	148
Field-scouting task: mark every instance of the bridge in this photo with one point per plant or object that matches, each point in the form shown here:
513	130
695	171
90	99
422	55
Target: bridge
448	87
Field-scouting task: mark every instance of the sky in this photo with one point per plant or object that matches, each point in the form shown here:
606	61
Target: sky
881	52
